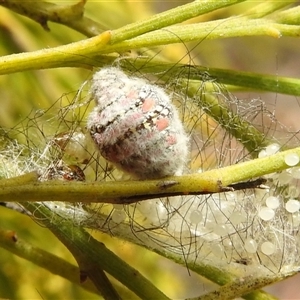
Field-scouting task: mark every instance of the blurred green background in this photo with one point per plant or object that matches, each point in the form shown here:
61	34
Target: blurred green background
22	93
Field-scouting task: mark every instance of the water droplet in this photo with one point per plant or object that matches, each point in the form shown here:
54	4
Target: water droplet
272	149
262	153
266	213
291	159
268	248
292	205
272	202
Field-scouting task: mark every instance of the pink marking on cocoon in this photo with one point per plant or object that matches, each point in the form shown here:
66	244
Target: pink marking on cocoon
162	124
148	104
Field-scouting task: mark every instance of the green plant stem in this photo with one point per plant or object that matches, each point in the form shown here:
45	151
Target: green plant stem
251	80
19	180
259	295
67	55
245	285
170	17
232	27
290	16
255	81
69	15
246	133
12	243
267	7
99	278
121	192
92	255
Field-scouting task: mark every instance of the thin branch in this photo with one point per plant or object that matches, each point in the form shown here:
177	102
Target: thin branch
267	7
99	278
170	17
70	15
125	192
54	264
232	27
198	74
75	54
244	285
290	16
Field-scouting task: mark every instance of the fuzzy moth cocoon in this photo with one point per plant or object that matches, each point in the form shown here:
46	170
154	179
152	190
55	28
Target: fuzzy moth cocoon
135	126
